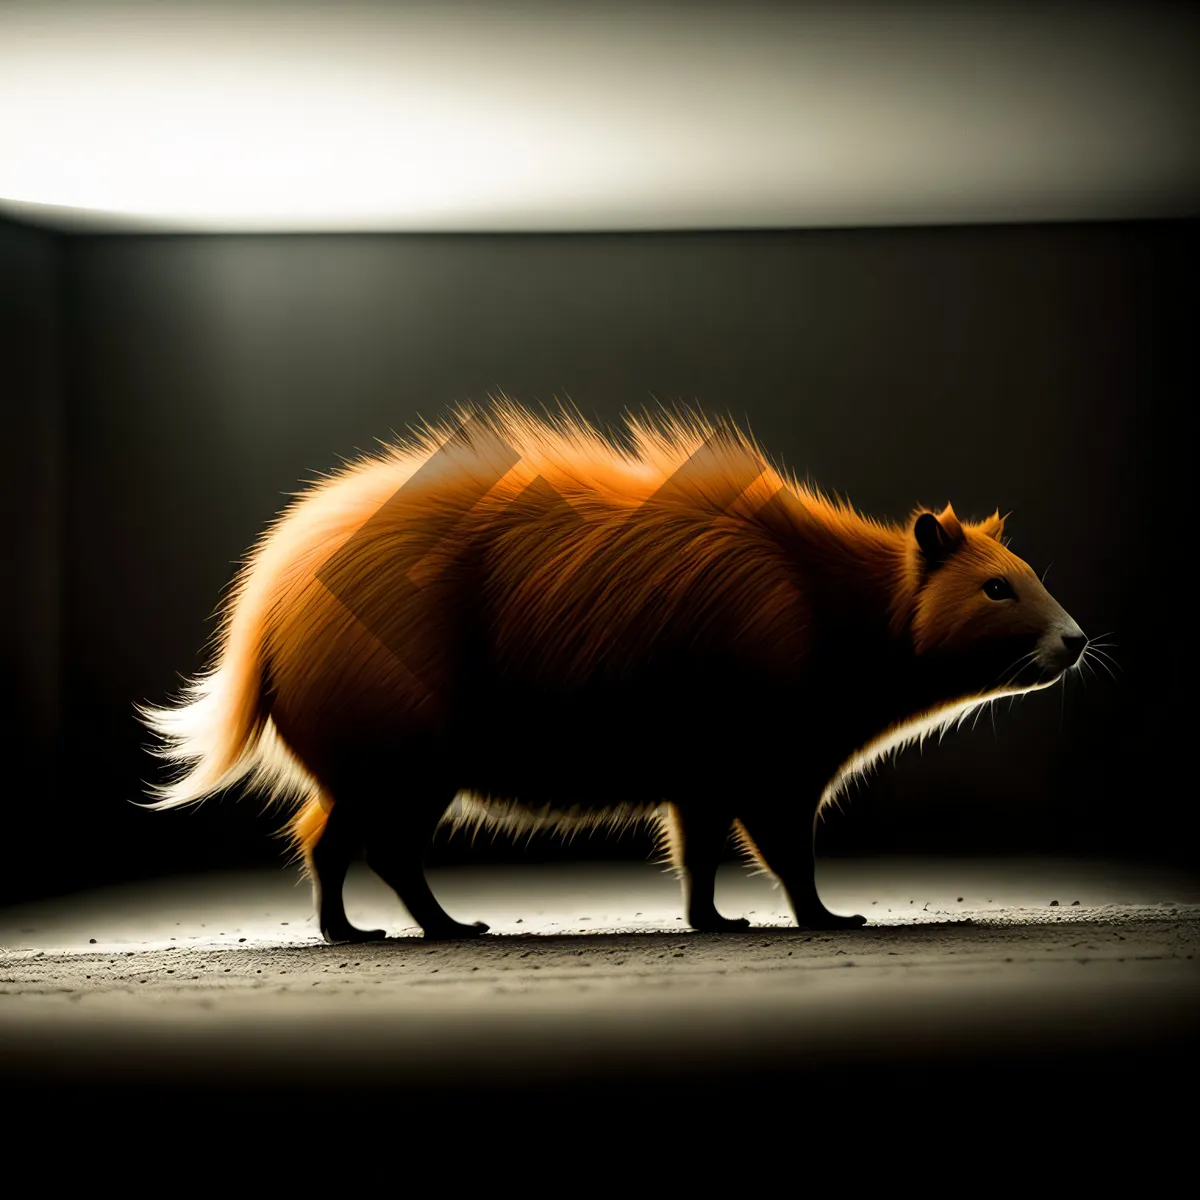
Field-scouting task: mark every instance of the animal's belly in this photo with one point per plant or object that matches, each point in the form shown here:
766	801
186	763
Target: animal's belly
545	784
531	815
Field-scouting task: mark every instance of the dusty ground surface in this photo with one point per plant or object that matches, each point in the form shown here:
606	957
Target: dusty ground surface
590	980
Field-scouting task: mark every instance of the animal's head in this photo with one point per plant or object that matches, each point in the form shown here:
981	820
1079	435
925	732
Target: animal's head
983	611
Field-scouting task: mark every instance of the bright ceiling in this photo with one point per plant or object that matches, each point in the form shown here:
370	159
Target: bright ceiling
284	116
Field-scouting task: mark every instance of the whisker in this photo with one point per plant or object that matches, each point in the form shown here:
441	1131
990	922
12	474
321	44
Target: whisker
1014	669
1047	570
1021	665
1099	661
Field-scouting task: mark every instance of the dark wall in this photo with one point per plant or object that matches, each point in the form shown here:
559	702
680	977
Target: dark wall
1041	369
31	398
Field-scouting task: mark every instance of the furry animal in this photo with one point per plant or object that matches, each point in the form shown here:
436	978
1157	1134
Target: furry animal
558	627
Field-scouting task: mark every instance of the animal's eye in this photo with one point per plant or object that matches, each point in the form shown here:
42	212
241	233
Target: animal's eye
999	589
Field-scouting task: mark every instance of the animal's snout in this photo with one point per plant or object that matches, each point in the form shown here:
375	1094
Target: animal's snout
1073	645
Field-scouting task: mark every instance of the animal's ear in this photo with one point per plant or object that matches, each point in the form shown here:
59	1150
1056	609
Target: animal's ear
993	526
937	536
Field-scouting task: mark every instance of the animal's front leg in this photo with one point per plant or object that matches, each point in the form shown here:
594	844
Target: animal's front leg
783	843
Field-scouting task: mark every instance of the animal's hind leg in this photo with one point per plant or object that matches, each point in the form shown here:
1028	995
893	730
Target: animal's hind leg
782	842
395	848
329	860
695	838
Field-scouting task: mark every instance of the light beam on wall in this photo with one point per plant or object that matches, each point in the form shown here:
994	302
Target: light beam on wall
290	116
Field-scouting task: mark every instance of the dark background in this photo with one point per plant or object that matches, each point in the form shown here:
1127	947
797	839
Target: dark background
162	394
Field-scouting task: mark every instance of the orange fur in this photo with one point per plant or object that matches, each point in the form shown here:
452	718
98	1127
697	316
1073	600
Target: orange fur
306	826
279	605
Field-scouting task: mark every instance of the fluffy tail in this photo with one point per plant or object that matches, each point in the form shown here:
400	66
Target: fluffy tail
220	732
213	735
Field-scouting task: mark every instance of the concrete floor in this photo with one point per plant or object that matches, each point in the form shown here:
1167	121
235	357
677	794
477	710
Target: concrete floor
591	987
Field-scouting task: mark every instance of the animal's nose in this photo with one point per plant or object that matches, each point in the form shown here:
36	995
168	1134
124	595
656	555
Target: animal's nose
1074	644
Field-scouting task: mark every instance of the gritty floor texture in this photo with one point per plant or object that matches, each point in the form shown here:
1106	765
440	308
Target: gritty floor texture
1052	972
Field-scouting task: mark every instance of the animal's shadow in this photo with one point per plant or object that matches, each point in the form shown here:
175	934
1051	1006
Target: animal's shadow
869	937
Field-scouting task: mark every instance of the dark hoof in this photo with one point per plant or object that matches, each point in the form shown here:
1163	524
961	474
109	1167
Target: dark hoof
456	932
718	924
346	934
828	920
